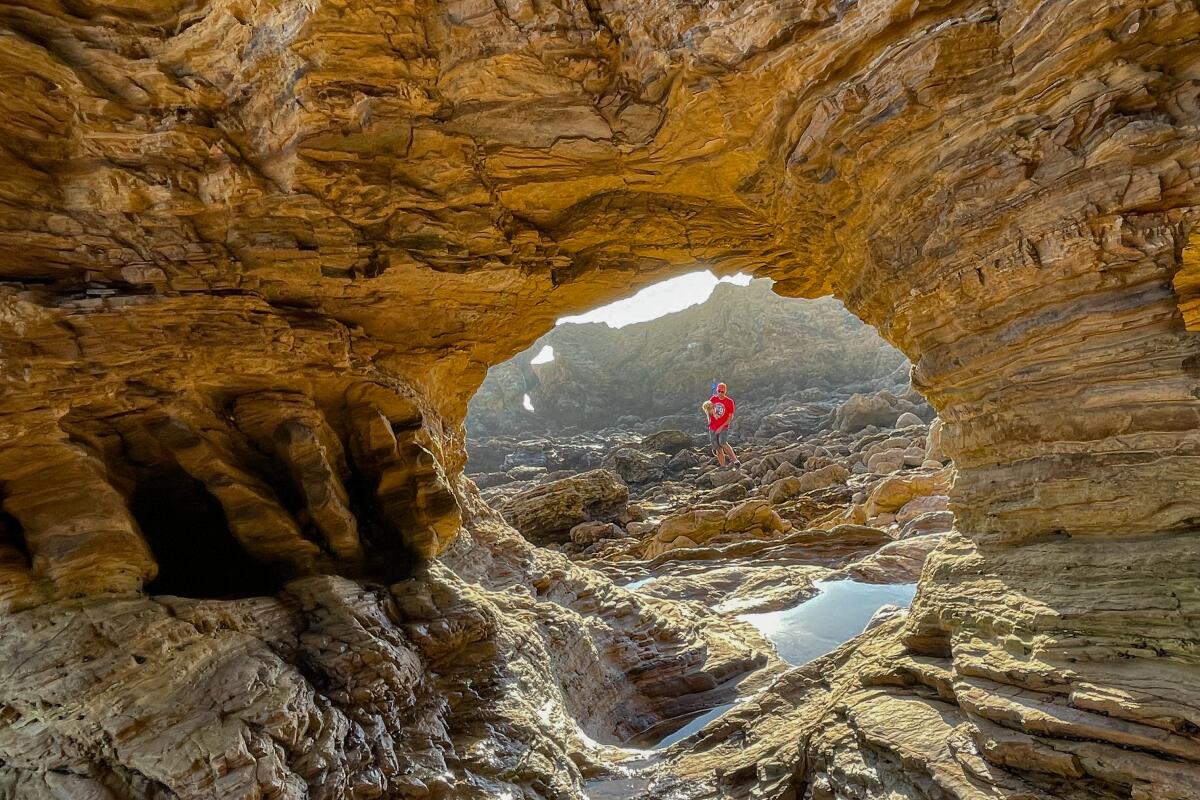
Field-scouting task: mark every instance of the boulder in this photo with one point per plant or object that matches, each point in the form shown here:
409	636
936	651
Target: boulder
900	561
788	488
487	479
527	454
636	466
817	462
908	419
699	525
886	462
718	478
640	529
772	461
892	493
588	533
923	504
728	493
546	513
752	519
785	470
885	614
931	522
526	472
753	515
669	442
880	409
685	460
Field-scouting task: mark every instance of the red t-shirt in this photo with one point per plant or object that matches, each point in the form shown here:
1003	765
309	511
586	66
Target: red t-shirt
721	413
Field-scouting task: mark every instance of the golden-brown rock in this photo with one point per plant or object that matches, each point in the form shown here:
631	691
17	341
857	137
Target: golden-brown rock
363	205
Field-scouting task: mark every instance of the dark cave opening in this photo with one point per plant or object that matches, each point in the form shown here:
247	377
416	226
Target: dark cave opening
12	536
388	558
197	553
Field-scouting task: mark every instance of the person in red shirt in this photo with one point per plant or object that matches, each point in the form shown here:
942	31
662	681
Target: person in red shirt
718	425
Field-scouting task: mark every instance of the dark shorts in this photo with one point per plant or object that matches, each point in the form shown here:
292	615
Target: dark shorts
718	438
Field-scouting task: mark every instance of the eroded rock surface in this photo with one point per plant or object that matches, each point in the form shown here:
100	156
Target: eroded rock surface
363	206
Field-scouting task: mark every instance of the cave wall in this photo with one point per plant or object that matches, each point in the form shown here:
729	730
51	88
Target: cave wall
344	212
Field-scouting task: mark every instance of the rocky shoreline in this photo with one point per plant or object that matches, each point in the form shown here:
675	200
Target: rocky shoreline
853	489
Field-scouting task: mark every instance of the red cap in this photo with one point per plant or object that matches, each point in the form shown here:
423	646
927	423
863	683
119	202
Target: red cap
722	387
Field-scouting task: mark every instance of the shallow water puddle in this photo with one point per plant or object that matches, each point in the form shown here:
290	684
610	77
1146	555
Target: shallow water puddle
654	738
628	783
839	613
636	584
801	633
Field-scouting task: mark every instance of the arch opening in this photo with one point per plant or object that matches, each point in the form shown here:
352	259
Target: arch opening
612	465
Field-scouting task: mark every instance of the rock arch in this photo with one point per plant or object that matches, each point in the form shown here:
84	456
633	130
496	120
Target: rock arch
362	205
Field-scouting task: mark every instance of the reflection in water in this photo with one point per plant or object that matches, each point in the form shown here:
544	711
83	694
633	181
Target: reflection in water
801	633
638	584
654	738
836	615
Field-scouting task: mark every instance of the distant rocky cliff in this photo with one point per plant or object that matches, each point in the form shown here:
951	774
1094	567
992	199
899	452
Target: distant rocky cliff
763	345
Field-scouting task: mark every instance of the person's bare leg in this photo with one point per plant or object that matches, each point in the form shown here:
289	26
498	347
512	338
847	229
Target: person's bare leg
721	455
727	449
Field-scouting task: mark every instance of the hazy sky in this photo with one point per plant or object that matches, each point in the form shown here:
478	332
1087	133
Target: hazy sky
654	301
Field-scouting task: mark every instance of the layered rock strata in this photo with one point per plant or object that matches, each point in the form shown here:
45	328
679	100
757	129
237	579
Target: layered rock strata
364	205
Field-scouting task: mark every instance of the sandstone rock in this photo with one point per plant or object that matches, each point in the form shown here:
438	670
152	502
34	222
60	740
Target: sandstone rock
635	466
669	442
684	460
886	462
771	461
933	443
489	479
547	513
880	409
923	504
892	493
365	205
588	533
525	473
729	492
719	477
788	488
752	519
885	614
816	463
908	419
739	588
932	522
641	529
896	562
785	470
698	526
